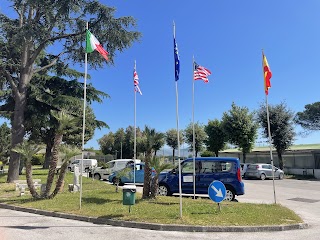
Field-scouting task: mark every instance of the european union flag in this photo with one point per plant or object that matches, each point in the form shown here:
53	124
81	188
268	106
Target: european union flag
176	60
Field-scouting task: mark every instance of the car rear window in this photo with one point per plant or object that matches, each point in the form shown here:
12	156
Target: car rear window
252	166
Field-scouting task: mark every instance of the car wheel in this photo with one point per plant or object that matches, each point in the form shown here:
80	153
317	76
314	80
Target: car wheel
262	176
281	176
163	191
230	195
97	176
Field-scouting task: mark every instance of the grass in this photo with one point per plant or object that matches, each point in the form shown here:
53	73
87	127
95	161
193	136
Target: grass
100	200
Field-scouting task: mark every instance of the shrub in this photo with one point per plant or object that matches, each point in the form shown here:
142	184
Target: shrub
207	154
37	159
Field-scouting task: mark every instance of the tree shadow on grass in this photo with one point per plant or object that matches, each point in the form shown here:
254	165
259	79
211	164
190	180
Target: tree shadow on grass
99	200
162	203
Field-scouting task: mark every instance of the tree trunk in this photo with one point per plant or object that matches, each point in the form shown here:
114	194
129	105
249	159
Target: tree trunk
31	187
53	164
216	153
17	129
154	187
244	155
60	180
147	176
281	165
48	155
173	156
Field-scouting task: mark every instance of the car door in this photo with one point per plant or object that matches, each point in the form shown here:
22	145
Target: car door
267	168
187	176
139	172
205	176
107	172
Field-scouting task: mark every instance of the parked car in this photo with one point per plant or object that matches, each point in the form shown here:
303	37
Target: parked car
111	166
139	174
263	171
88	164
244	167
207	169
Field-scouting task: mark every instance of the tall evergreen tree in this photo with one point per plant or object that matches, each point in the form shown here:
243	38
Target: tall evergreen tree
5	138
240	128
309	118
281	127
200	137
216	140
60	25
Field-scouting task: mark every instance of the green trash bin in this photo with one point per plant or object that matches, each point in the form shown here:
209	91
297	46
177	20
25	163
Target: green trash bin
129	194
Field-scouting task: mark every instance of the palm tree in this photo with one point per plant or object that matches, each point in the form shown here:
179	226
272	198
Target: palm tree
27	150
67	153
121	173
158	166
148	144
65	121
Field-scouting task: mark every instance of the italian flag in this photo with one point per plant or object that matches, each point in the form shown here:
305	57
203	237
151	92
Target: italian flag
92	44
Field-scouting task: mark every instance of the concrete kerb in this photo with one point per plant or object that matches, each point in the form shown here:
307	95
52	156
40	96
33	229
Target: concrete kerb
159	227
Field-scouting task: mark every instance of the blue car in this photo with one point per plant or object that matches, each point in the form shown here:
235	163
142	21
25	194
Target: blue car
207	169
139	174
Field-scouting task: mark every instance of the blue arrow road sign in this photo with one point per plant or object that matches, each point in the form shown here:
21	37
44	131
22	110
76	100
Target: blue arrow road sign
217	191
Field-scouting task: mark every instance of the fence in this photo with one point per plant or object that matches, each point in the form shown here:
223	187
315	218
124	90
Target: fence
302	162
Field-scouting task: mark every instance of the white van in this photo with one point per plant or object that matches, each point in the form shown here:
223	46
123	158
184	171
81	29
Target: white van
112	166
87	164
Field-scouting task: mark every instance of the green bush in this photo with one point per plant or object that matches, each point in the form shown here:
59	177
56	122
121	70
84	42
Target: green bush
207	154
37	159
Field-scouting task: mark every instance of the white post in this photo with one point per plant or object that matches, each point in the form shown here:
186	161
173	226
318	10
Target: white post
135	134
84	116
270	145
193	135
178	135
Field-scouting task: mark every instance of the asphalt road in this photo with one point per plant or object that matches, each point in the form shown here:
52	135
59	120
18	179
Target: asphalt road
301	196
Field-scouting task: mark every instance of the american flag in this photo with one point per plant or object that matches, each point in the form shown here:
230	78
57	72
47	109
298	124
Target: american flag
136	82
201	73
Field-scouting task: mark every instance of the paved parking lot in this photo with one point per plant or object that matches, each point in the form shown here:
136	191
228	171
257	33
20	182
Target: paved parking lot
299	195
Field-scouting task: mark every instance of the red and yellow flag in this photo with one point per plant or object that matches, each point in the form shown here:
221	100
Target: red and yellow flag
267	74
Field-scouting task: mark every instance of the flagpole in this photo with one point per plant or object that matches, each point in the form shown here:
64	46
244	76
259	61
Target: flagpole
269	134
193	134
178	135
135	134
271	157
84	115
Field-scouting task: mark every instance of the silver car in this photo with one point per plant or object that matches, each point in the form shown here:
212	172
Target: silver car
263	171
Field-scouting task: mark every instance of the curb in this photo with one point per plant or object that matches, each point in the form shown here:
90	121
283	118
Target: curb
158	227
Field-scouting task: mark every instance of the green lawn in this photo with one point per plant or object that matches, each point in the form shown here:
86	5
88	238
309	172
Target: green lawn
100	200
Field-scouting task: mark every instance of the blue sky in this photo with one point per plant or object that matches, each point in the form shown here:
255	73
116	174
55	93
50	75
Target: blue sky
225	37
